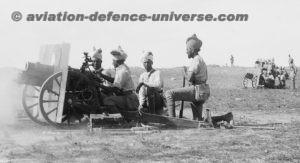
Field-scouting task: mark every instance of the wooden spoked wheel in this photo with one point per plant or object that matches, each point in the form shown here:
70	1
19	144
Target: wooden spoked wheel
30	103
79	95
246	82
254	81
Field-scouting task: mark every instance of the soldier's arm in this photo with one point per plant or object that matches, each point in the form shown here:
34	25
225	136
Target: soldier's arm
190	77
110	89
108	78
188	74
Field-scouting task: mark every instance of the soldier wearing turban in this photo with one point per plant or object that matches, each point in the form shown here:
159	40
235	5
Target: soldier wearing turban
122	84
97	59
119	54
150	82
198	91
97	65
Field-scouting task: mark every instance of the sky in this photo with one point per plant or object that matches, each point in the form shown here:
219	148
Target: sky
272	31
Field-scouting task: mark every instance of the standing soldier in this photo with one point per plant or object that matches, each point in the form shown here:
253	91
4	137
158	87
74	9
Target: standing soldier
290	59
231	60
122	86
198	92
150	83
293	73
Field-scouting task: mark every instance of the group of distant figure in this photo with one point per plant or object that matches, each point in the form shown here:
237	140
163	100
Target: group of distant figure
270	72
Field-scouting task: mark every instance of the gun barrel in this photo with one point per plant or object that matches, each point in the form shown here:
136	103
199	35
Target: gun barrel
35	73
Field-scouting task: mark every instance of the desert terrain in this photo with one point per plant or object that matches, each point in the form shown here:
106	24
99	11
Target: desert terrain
22	140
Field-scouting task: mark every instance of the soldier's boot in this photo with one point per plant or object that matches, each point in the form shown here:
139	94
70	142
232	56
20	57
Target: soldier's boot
194	111
170	104
207	118
171	110
197	108
227	118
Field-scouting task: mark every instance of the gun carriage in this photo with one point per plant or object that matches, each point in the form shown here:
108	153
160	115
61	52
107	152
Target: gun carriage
82	95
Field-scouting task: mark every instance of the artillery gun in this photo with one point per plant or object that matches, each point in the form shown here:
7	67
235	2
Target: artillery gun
82	93
67	97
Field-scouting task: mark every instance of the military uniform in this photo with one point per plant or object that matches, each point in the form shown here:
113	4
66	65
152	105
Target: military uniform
152	79
97	61
128	100
198	92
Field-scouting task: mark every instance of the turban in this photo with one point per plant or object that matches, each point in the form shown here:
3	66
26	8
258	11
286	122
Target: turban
193	42
147	55
98	54
119	54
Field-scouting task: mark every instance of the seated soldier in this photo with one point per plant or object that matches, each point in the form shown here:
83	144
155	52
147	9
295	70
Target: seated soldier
270	81
150	86
263	77
266	79
97	60
123	87
97	65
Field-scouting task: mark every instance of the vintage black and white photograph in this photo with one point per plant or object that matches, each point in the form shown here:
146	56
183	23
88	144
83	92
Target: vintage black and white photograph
149	81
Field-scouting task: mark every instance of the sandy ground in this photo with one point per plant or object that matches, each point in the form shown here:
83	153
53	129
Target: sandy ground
25	141
28	142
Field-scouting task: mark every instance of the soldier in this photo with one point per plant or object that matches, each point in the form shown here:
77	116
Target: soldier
231	60
150	82
290	59
293	73
97	65
198	92
282	77
269	66
97	60
122	86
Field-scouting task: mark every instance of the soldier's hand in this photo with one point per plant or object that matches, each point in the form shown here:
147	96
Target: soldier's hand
96	78
184	71
99	71
115	90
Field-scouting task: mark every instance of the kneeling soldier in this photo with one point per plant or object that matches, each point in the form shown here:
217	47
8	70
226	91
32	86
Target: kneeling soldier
198	92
